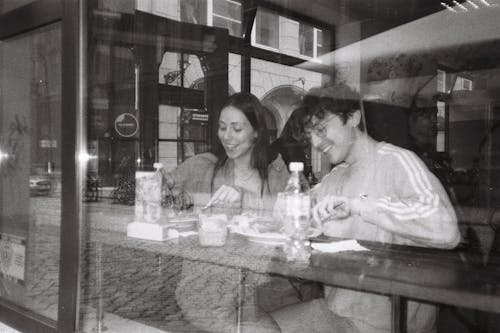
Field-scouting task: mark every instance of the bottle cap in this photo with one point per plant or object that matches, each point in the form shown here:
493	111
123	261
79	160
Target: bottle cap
158	166
296	166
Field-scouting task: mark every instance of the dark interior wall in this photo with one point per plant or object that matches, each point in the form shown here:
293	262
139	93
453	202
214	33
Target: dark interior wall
386	122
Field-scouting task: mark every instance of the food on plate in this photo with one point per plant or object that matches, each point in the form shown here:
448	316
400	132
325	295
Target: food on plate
256	224
212	229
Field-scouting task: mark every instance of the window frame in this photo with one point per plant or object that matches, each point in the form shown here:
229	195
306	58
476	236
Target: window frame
25	19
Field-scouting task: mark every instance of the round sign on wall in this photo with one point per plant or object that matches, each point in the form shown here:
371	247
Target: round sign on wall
126	125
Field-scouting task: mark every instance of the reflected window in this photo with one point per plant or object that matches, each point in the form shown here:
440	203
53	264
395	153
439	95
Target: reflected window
194	11
267	28
227	14
462	83
234	73
30	169
306	40
289	36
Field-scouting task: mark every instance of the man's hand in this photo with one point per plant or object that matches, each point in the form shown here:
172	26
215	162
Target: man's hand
332	207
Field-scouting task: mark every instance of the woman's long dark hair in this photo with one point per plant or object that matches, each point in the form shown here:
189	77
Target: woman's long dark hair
254	112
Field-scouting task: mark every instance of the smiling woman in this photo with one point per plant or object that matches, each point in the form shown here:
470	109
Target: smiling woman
239	172
238	175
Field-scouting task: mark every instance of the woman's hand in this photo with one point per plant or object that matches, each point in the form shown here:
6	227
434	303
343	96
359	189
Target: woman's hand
225	195
332	207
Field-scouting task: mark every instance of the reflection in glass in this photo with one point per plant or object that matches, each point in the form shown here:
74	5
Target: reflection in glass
267	30
30	169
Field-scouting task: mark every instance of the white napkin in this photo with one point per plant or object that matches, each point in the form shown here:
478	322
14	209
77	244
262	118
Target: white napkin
340	246
172	233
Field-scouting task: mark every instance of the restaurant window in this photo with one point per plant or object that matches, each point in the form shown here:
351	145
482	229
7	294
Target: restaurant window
234	73
227	14
266	31
307	40
463	83
194	11
217	13
322	41
30	170
157	77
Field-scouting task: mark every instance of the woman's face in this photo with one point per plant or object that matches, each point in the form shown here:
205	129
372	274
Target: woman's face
236	133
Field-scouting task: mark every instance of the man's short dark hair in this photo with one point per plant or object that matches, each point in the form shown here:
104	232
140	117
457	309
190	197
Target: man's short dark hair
338	99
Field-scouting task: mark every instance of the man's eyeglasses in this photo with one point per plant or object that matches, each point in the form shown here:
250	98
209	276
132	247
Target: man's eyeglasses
319	129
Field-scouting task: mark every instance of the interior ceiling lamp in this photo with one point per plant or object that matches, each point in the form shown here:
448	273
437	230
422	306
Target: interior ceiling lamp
474	4
459	5
450	8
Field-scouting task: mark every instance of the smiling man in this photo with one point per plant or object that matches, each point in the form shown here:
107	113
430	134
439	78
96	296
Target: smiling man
377	192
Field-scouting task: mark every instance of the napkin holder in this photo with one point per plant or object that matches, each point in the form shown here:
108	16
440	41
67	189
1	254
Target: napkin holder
145	230
146	224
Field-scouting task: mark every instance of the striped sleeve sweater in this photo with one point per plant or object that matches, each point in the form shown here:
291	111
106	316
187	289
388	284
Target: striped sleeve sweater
399	199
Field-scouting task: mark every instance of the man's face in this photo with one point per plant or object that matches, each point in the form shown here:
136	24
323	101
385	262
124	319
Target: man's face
332	137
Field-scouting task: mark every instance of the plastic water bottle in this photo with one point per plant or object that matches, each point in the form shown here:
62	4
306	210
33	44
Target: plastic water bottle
298	215
297	183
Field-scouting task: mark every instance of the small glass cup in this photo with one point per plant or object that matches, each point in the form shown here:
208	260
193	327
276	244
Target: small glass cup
212	230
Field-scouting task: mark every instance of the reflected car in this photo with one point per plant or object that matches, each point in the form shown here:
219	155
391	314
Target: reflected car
40	186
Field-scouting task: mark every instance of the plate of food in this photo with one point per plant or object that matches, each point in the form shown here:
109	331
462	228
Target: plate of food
264	230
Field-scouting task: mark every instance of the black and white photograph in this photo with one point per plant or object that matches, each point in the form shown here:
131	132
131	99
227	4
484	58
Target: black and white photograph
249	166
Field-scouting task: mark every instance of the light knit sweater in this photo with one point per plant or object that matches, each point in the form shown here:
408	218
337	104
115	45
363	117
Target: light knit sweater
403	203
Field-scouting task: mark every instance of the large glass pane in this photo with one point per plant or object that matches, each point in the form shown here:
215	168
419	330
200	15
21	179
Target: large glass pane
234	73
155	86
413	167
267	28
428	85
30	169
285	34
227	14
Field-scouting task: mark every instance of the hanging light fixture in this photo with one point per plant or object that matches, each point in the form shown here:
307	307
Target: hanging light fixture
459	5
473	4
450	8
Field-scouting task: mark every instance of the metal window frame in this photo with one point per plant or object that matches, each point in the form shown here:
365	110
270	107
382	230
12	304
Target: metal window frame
13	23
243	46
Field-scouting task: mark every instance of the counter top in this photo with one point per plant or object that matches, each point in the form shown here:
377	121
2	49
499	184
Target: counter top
437	276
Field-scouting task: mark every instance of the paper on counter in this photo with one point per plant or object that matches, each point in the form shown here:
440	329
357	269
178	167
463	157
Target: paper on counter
172	233
340	246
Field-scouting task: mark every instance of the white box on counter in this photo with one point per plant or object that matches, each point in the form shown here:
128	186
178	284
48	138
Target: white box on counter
150	231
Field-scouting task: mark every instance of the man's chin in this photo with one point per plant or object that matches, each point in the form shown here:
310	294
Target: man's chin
333	159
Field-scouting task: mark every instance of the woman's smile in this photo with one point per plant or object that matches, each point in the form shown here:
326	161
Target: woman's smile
235	133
